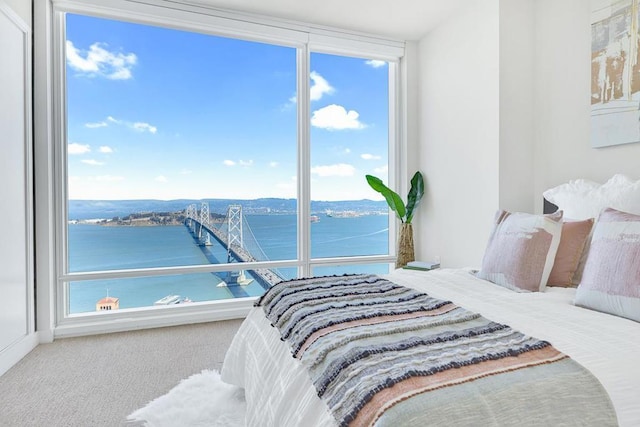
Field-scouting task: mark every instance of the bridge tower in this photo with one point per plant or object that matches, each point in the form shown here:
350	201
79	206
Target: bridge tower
235	238
205	221
190	216
234	229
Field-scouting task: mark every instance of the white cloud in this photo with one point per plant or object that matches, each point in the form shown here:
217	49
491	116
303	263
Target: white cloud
142	127
367	156
92	162
109	178
336	117
319	87
245	163
273	164
96	125
137	126
161	178
340	169
98	61
382	169
75	148
121	74
106	149
375	63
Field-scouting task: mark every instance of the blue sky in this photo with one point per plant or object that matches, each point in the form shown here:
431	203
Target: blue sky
156	113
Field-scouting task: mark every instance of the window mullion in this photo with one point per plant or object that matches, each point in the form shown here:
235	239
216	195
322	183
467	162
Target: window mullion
304	162
60	161
397	146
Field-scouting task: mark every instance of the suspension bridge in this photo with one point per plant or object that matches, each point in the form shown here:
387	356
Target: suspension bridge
234	234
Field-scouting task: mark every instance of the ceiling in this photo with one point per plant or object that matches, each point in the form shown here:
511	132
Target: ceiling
398	19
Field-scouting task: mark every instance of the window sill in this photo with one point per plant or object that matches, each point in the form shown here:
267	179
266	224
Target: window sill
152	317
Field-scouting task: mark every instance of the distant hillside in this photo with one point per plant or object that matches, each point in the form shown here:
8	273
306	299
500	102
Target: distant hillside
146	219
108	209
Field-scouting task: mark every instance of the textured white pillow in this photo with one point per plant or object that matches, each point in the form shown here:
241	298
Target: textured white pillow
582	199
611	278
521	250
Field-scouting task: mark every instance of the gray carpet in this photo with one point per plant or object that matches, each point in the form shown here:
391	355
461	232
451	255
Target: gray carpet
99	380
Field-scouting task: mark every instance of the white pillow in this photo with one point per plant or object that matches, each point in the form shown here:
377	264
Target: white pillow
521	250
582	199
611	278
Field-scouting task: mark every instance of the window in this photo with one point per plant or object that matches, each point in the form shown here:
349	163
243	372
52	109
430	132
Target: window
349	136
157	124
208	162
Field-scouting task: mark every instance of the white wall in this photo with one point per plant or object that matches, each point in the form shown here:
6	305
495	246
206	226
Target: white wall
562	102
520	68
459	134
516	105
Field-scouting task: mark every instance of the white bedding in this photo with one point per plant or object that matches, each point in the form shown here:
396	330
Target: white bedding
280	393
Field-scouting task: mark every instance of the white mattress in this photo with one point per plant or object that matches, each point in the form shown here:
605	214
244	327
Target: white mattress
280	393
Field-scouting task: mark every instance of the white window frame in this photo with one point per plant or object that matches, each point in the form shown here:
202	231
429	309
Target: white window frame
51	156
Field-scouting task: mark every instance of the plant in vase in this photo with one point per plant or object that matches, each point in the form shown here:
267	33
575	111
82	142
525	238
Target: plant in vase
403	212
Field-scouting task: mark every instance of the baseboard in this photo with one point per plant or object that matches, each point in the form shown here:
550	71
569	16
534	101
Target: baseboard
16	351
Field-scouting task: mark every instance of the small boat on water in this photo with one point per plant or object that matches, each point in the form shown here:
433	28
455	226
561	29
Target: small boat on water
169	300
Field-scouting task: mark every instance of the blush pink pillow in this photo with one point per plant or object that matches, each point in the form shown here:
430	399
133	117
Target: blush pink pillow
521	250
572	242
611	278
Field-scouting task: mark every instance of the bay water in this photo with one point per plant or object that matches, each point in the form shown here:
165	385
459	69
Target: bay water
102	248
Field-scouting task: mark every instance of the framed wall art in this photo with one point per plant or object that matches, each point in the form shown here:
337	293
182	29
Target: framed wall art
615	72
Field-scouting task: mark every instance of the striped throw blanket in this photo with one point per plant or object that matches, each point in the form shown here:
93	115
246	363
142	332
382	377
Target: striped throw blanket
380	353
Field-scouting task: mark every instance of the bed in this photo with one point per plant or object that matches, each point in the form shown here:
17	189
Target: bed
594	327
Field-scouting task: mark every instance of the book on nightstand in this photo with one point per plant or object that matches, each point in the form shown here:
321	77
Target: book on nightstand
421	265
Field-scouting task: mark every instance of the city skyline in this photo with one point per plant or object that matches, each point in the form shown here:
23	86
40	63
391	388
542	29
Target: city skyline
156	113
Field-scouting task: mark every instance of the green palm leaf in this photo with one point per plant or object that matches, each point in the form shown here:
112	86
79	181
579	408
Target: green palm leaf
415	195
393	199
